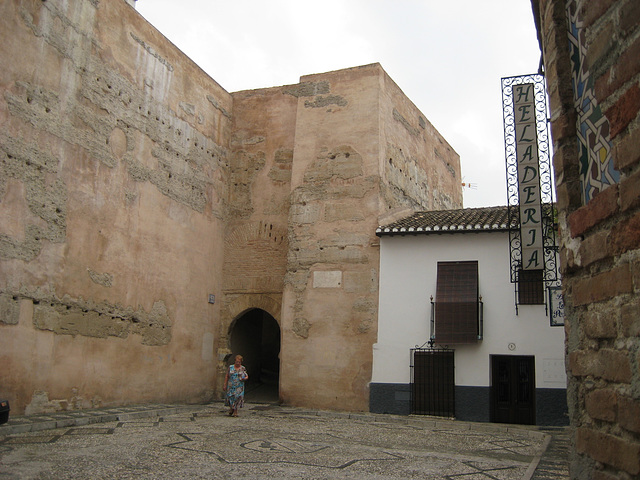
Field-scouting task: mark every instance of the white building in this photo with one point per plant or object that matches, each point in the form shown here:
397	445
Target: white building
445	276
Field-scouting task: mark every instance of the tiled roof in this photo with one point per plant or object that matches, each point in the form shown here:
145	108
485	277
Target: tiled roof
486	219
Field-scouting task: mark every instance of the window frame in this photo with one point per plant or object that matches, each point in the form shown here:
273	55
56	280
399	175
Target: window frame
457	308
531	287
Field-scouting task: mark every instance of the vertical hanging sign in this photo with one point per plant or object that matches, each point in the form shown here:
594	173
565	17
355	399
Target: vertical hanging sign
528	176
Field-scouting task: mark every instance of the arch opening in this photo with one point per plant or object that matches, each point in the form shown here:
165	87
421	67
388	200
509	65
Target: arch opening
256	336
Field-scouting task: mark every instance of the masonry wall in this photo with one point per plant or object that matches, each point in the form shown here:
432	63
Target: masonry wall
419	169
600	235
256	238
345	129
113	176
329	310
143	209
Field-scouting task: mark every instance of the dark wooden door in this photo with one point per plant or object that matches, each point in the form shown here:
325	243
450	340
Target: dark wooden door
433	383
513	389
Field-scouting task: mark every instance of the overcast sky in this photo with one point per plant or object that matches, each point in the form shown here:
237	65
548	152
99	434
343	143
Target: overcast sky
448	57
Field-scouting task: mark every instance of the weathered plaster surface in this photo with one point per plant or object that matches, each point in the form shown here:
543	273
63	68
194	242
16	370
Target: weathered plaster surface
133	187
343	180
113	167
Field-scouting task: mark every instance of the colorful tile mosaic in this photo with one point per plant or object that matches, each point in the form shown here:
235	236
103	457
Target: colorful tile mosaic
596	162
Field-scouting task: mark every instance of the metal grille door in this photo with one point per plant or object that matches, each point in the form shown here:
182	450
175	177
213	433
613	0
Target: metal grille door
432	382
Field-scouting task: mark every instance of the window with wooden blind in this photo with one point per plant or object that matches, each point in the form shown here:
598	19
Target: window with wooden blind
456	305
531	287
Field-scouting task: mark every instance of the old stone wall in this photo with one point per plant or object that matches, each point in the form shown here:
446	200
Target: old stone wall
340	188
143	210
114	158
419	169
330	303
599	222
256	239
260	179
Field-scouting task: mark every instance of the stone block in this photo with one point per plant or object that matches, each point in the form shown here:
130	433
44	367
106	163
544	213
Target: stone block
327	279
582	363
615	365
108	418
602	404
335	212
66	422
599	324
360	282
630	319
49	425
9	309
593	248
604	286
609	449
612	365
363	417
629	413
79	421
305	213
15	429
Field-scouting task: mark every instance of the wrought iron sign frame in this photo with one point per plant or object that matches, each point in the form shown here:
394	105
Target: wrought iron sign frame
544	207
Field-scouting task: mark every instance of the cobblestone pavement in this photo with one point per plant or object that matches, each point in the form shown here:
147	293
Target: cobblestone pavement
266	441
554	463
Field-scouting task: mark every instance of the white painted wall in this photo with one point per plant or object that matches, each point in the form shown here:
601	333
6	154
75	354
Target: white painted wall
408	266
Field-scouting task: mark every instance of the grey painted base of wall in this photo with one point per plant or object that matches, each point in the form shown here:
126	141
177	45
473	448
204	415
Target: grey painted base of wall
473	404
392	398
551	407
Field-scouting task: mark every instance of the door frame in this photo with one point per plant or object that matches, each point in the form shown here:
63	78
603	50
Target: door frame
514	400
433	382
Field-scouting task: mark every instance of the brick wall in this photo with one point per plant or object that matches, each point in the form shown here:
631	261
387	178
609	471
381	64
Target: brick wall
600	235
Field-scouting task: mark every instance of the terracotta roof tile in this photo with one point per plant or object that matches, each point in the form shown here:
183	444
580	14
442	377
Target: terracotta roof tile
486	219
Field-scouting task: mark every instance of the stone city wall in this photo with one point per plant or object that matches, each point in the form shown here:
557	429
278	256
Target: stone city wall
113	168
420	170
340	189
132	187
330	299
256	239
260	183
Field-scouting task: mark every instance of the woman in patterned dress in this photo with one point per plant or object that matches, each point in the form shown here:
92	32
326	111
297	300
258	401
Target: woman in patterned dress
234	386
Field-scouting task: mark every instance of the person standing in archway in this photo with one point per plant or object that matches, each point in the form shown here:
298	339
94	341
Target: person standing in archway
234	386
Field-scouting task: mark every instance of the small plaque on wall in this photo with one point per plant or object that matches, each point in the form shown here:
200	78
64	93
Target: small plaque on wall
327	279
556	306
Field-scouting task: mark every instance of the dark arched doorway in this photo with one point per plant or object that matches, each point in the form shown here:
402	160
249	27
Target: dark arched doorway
256	336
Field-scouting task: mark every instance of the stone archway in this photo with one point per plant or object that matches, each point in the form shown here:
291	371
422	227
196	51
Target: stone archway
255	335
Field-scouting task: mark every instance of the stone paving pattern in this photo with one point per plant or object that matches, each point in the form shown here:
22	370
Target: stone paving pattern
270	441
